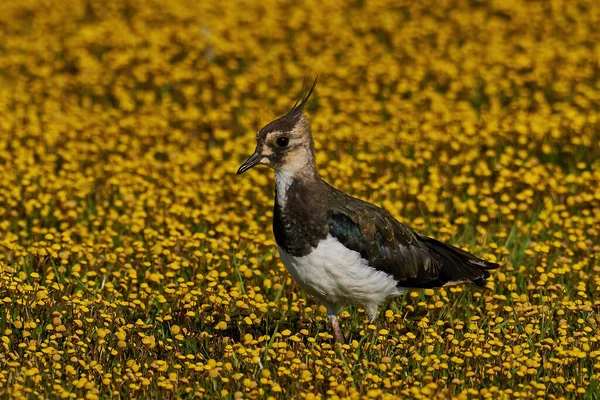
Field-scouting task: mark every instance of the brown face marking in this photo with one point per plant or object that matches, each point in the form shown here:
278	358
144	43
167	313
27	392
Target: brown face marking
299	151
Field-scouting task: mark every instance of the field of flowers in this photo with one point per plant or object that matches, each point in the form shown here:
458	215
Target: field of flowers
135	264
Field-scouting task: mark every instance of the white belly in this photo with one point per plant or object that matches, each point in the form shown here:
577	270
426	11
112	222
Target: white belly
338	276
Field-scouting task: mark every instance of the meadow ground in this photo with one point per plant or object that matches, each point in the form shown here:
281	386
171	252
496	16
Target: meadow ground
135	264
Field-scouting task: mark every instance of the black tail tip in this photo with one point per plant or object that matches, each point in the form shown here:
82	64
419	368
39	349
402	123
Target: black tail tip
491	265
485	265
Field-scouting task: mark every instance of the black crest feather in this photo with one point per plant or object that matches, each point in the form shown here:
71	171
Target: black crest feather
298	107
286	122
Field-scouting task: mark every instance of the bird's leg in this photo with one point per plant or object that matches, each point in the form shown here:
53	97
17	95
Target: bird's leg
335	324
337	332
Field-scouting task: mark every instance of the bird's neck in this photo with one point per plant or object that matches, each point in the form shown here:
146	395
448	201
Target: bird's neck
300	166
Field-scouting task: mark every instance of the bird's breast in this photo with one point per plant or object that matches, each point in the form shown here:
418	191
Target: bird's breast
298	225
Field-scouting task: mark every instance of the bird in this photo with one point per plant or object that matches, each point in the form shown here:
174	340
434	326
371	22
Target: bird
338	248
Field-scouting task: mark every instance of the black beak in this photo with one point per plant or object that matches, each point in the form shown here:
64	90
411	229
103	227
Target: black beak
250	162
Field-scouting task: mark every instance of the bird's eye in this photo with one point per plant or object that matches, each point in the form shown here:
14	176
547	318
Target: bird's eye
282	141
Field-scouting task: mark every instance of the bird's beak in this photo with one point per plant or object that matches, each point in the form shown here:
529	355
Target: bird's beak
250	162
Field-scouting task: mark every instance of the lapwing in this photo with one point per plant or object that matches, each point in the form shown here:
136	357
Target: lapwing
340	249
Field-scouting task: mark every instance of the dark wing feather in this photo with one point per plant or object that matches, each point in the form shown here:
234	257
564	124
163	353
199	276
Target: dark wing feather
413	260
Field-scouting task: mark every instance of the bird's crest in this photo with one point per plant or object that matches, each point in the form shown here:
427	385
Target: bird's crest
299	105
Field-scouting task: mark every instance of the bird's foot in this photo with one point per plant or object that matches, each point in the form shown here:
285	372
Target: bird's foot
337	332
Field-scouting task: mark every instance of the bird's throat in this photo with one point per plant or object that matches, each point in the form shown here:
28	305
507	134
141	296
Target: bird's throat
298	165
283	181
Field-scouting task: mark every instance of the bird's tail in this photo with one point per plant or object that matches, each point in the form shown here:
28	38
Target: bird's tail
459	266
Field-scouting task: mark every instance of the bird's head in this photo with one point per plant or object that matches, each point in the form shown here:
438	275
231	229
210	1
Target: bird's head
285	144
